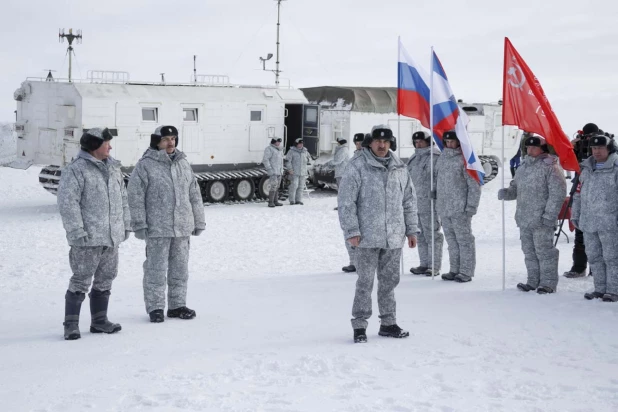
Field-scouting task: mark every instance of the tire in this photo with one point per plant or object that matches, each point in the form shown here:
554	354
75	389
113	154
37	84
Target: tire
491	167
216	191
263	187
244	189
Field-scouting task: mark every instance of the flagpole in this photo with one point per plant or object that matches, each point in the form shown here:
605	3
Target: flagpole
431	192
503	220
503	173
399	127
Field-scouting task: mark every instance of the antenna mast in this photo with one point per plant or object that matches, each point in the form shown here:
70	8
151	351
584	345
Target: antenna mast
277	71
70	37
194	69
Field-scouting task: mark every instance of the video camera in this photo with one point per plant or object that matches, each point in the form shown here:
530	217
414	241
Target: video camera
582	149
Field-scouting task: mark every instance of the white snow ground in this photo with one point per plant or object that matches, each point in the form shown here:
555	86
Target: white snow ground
273	331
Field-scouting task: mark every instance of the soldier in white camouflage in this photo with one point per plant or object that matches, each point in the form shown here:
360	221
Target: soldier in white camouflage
95	214
340	161
273	163
377	212
539	187
166	209
595	213
298	159
457	200
419	167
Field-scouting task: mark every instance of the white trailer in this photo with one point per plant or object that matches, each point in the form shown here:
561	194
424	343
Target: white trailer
223	128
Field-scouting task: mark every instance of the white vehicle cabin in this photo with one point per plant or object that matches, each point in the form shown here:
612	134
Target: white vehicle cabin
223	128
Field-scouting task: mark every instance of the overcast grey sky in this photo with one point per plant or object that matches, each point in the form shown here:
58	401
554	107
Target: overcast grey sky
571	46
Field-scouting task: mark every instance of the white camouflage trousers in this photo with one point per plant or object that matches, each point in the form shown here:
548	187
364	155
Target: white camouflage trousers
273	182
384	262
602	251
100	262
351	252
295	191
540	255
424	242
461	247
167	261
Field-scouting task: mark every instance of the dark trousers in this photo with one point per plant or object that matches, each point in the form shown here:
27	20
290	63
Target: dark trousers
580	260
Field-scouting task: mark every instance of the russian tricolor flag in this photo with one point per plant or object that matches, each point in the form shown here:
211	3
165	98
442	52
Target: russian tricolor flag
412	89
448	116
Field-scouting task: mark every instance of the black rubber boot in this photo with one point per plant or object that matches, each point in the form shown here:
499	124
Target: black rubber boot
593	295
156	316
610	297
360	336
72	306
349	269
419	270
98	310
271	198
182	312
277	202
393	331
449	276
524	287
544	290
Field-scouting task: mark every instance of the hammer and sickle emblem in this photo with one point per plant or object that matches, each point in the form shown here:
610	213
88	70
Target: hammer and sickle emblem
516	75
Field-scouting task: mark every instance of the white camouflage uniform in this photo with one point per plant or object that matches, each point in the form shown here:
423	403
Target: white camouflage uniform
457	200
540	189
377	202
165	200
595	209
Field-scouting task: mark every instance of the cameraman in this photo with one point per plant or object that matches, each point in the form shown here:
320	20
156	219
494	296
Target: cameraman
581	148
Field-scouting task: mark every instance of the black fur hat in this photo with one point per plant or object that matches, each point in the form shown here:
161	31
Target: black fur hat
160	132
537	141
450	135
93	138
359	137
600	140
381	132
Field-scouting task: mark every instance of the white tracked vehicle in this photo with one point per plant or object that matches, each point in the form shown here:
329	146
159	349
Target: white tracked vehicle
345	111
223	128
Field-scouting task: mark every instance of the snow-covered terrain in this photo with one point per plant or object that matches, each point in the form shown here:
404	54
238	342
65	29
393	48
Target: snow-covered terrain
273	327
8	146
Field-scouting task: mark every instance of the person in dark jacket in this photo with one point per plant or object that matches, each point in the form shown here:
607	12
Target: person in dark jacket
581	149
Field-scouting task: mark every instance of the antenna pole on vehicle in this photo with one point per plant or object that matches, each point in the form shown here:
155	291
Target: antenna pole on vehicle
277	71
194	69
70	37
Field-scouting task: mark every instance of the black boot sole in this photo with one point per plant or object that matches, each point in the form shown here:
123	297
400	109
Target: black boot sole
117	329
390	335
360	340
523	288
73	336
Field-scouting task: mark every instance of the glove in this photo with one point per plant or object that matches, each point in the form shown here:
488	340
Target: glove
575	223
127	233
548	222
197	232
501	194
80	242
141	234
